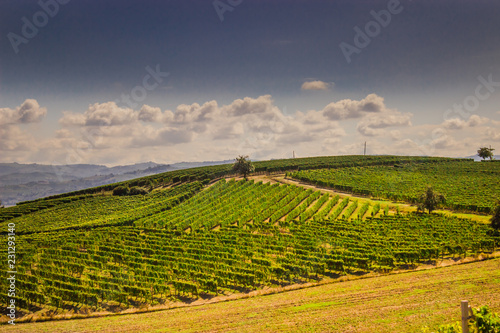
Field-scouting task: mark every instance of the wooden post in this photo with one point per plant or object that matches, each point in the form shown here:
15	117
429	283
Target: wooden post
465	316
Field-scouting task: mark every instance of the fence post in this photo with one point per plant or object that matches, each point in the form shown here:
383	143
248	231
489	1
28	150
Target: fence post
465	316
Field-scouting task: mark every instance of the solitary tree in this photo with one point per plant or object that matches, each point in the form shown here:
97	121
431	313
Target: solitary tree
243	166
430	200
495	220
485	152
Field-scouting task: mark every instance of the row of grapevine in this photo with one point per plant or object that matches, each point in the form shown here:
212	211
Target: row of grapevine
207	173
466	185
129	265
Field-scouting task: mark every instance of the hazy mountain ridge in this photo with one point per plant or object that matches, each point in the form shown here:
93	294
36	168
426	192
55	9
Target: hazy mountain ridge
22	182
477	158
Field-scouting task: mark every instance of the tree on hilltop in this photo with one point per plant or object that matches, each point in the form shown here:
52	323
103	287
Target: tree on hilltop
485	152
430	200
243	166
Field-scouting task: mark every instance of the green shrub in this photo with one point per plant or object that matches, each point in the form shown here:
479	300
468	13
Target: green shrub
450	328
483	321
120	190
137	190
486	321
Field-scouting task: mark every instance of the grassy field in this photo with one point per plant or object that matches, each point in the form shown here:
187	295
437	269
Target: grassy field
393	303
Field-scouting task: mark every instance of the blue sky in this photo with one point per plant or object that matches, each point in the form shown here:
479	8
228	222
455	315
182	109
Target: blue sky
269	78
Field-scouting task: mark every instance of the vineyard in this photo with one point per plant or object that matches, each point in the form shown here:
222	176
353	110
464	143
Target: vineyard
466	185
199	239
217	171
96	211
97	267
104	252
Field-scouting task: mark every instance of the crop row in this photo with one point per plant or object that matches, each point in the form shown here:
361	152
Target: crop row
465	185
103	210
129	265
207	173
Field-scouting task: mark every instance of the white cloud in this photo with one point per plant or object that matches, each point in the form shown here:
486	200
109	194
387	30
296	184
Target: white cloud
395	135
147	136
108	114
230	131
311	117
375	124
351	109
28	112
13	138
443	142
106	133
262	105
315	85
100	114
196	112
72	119
150	114
253	125
63	133
493	134
457	123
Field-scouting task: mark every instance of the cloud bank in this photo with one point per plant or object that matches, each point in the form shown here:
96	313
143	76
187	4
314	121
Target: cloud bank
111	134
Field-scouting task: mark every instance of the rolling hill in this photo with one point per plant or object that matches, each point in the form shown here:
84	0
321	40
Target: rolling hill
200	234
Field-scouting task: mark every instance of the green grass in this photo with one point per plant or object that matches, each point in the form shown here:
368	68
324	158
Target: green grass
311	306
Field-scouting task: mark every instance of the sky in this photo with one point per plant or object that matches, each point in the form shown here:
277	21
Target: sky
121	81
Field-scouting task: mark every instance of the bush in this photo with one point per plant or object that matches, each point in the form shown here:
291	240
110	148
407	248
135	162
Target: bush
483	321
120	190
136	190
486	321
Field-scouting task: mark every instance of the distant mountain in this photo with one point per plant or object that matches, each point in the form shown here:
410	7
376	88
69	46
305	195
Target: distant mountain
477	158
22	182
83	170
187	165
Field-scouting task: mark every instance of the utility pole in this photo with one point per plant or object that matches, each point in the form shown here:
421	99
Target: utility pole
364	153
294	154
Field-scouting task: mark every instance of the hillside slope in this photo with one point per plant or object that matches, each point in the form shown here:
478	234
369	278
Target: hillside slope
394	303
195	237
